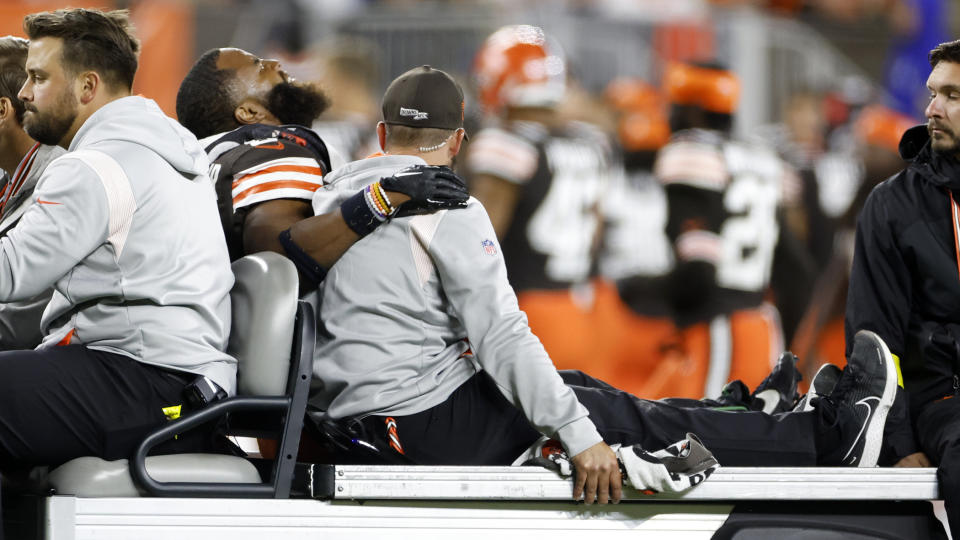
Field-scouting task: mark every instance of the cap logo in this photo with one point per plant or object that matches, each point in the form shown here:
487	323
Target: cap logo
417	115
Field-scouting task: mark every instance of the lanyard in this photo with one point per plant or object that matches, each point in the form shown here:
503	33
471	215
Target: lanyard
18	178
955	213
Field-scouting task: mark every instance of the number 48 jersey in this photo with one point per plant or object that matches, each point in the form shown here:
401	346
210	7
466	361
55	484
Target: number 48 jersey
551	239
724	202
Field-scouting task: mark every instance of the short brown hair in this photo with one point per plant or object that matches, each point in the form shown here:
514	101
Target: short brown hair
100	41
411	137
13	56
945	52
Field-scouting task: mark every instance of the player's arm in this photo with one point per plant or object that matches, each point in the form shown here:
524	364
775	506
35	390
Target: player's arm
499	197
500	163
270	184
315	243
265	221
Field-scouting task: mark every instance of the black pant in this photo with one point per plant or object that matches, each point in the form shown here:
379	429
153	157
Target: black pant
938	429
476	425
60	403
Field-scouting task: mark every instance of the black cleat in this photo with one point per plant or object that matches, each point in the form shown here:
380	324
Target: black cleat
734	396
821	385
862	397
778	392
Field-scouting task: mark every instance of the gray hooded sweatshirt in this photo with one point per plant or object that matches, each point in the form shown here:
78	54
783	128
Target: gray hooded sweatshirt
398	308
20	321
125	228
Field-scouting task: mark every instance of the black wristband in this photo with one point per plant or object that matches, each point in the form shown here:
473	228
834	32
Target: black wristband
311	269
358	215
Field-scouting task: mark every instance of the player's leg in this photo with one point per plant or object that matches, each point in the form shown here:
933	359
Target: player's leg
845	428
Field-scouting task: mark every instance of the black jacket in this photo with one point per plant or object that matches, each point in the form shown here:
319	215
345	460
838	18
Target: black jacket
905	280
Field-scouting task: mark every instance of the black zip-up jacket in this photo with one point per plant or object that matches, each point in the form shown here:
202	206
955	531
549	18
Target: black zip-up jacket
905	282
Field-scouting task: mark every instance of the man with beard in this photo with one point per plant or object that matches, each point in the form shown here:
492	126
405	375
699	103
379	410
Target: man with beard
250	117
905	280
24	160
124	230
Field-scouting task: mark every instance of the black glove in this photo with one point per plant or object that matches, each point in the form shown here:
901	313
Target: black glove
430	188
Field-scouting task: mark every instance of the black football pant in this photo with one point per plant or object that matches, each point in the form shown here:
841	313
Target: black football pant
938	430
60	403
476	425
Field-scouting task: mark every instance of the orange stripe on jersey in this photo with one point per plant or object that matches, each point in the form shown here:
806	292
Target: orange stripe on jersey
279	168
279	184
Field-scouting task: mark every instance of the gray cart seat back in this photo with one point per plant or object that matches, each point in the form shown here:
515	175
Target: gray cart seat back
264	309
264	305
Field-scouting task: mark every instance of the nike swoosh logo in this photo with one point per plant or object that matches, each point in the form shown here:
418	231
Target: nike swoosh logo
275	146
41	201
863	427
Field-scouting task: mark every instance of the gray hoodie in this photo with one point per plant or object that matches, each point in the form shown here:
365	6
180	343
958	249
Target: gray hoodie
125	229
397	309
20	321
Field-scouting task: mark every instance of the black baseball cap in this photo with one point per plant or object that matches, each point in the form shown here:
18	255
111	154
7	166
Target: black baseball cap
424	97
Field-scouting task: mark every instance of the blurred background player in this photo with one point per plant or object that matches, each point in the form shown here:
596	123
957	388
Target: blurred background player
348	69
876	131
540	178
635	252
731	241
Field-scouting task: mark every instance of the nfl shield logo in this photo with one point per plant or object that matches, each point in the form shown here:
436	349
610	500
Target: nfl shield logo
489	247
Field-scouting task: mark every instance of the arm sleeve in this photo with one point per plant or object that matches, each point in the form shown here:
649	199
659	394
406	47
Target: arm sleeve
68	220
880	292
277	169
471	269
499	153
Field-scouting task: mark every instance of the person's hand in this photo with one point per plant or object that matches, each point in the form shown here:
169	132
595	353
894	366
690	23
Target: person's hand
917	459
598	475
425	188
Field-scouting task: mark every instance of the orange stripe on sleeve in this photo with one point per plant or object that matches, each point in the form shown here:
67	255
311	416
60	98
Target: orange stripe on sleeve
279	184
279	168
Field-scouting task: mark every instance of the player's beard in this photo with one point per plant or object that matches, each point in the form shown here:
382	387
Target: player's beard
946	143
50	126
297	103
